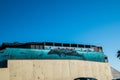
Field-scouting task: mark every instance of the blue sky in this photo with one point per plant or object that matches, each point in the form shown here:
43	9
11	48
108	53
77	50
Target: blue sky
95	22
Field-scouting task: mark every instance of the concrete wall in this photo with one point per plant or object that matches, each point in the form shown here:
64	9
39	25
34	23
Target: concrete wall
56	70
4	74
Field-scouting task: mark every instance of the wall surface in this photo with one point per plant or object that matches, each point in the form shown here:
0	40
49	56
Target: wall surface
55	70
4	74
63	53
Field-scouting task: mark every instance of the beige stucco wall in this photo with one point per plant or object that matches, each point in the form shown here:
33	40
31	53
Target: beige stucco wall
55	70
4	74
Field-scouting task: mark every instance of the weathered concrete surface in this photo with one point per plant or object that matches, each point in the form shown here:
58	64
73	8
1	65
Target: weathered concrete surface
56	70
4	74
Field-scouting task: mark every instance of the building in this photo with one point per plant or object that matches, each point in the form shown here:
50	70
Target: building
115	73
53	61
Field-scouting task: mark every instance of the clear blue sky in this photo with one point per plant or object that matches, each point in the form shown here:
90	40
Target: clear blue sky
95	22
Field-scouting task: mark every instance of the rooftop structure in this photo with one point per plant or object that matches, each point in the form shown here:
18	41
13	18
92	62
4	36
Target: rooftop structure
50	50
44	45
